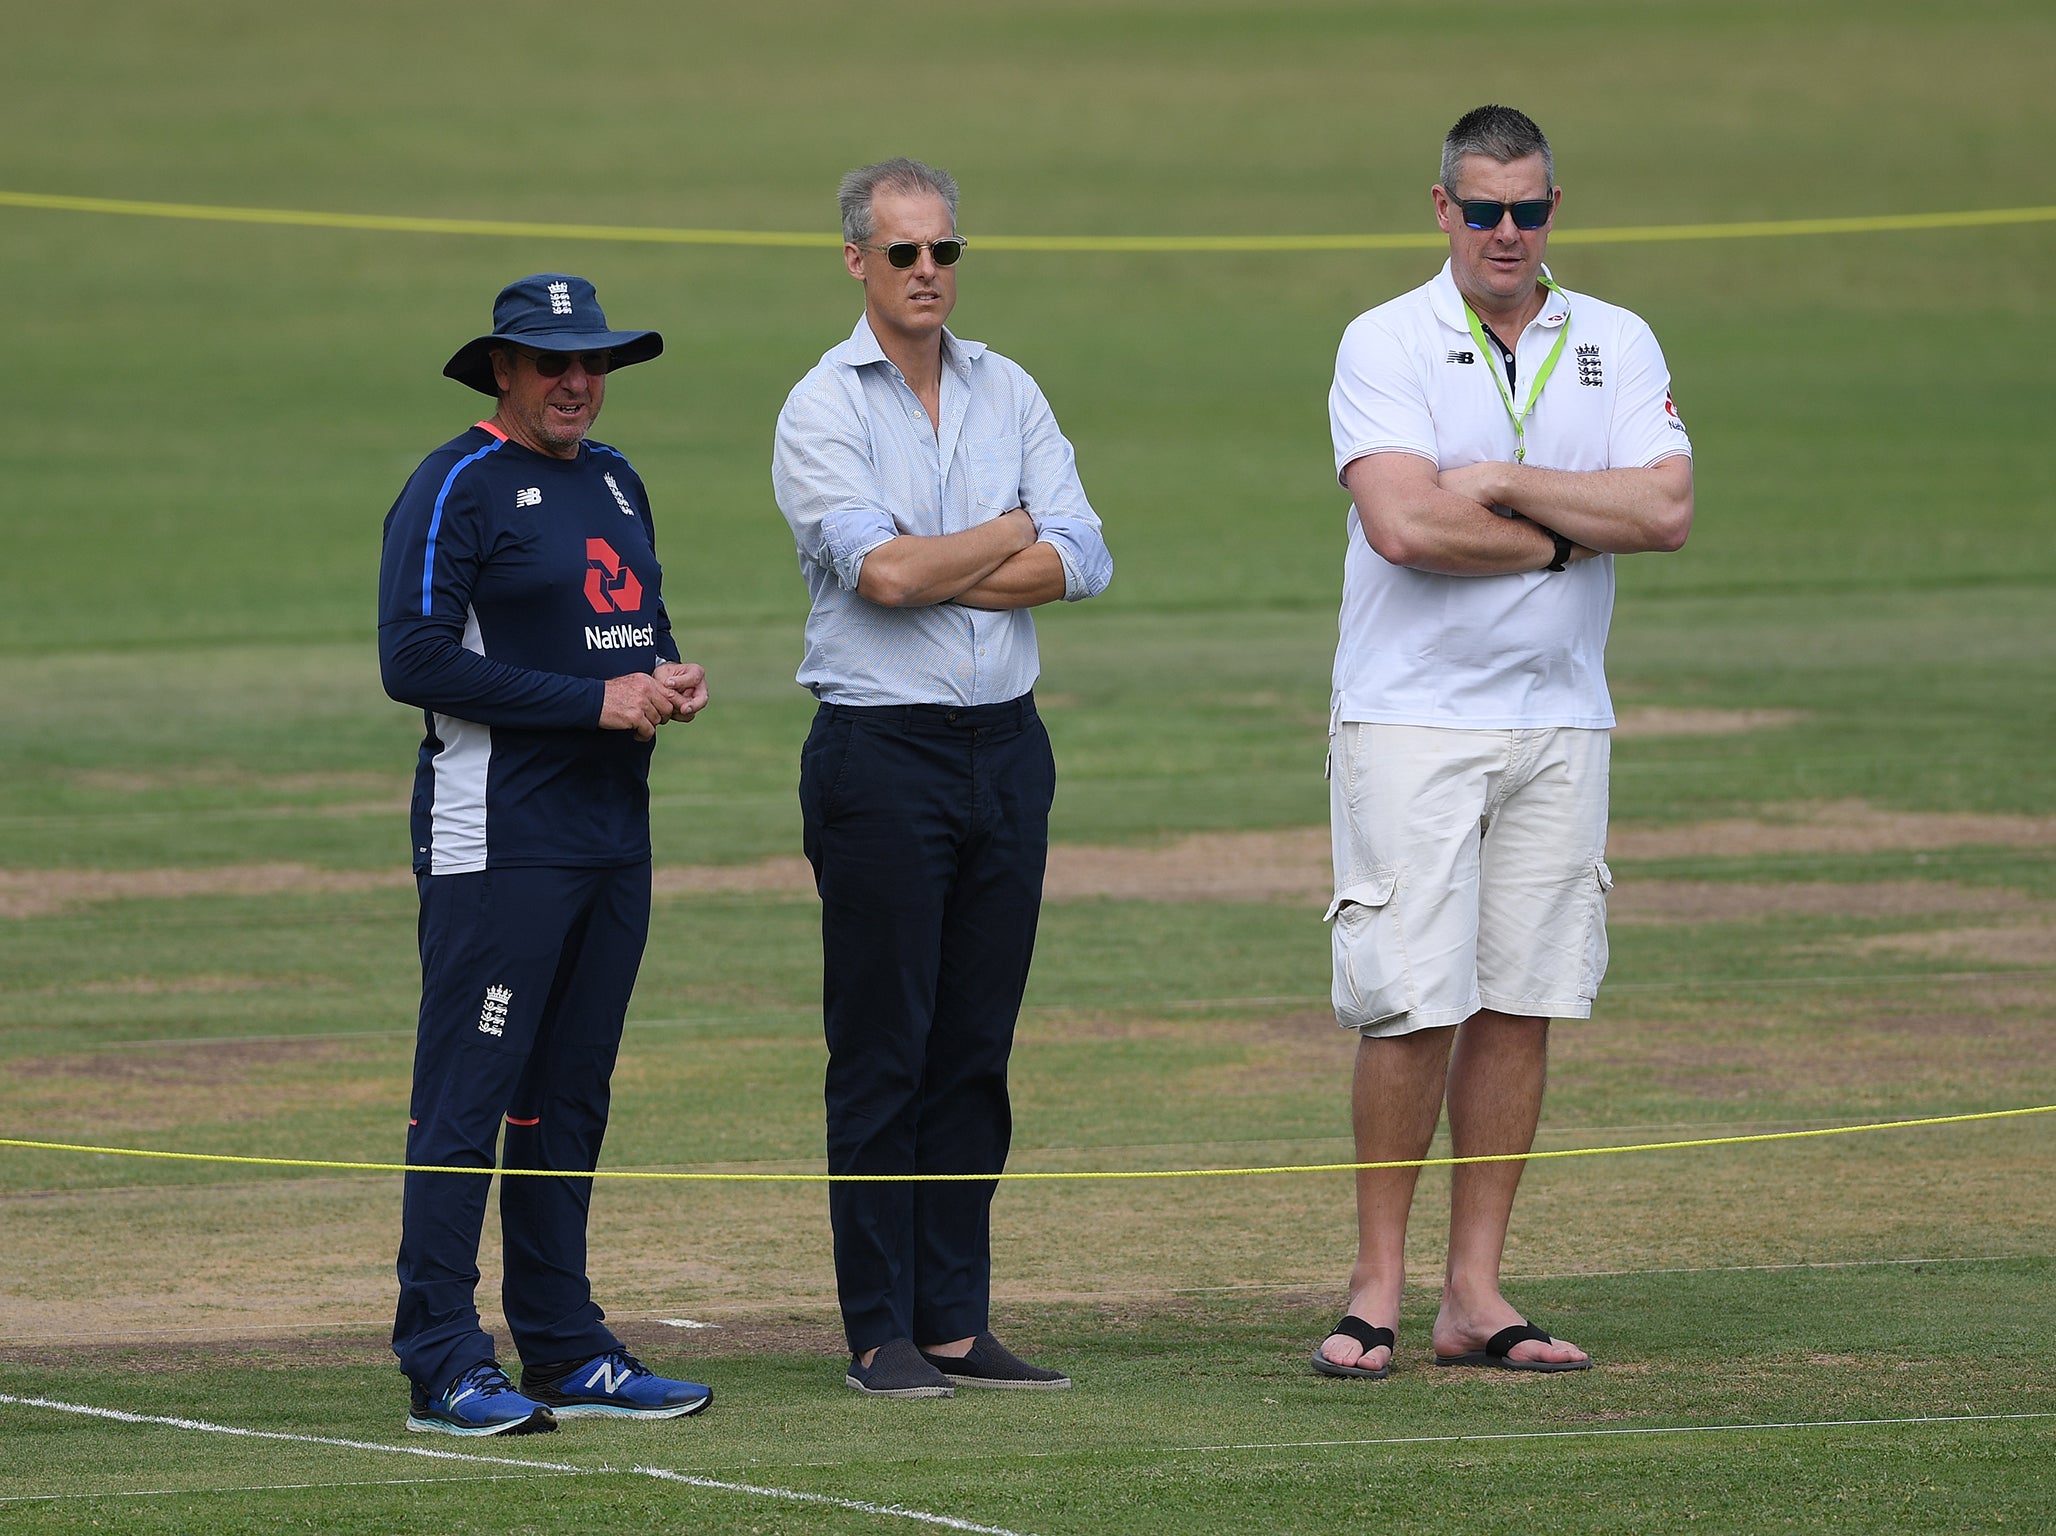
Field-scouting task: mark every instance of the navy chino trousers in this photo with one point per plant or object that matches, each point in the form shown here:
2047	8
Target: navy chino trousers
525	980
928	829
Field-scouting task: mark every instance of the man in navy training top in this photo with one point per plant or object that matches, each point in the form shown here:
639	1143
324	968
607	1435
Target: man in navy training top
520	609
933	502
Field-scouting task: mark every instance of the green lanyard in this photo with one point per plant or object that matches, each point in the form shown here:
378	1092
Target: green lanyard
1485	354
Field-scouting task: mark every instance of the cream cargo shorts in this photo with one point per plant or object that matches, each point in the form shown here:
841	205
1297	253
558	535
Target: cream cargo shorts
1470	873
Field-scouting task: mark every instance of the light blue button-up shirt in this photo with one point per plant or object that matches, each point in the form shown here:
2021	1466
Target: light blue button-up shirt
857	462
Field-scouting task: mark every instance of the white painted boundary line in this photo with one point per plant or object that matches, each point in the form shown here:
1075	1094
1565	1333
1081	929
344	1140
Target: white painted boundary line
1585	1434
790	1495
362	1482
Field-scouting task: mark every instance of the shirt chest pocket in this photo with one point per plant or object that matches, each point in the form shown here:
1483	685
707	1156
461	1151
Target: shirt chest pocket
994	464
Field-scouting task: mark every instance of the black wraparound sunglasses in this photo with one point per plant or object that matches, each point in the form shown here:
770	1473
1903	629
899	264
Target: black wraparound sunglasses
554	365
904	253
1482	213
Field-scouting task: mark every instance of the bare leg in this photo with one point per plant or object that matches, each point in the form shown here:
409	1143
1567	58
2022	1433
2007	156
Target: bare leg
1395	1100
1496	1073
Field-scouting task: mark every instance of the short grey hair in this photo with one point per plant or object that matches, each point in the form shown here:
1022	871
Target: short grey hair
1502	133
900	175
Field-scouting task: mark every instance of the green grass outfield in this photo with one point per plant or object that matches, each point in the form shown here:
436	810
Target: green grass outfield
1847	910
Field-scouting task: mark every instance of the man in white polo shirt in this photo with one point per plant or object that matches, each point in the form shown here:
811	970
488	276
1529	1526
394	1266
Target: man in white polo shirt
1502	440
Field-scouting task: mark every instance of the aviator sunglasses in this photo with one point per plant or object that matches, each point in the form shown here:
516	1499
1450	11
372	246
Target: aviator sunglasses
904	253
1482	213
554	365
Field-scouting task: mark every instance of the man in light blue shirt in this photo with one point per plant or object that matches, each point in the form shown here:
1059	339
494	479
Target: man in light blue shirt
933	502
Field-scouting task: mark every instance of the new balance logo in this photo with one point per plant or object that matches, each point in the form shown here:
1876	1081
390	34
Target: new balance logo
560	298
620	500
531	497
1588	366
608	1379
1461	357
492	1018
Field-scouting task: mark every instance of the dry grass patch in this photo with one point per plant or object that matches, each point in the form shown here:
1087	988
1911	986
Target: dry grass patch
1832	826
233	1082
39	892
1655	721
1709	901
135	781
1832	1063
2015	944
1291	865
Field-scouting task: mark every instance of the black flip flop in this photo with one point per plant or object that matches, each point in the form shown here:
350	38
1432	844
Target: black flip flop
1494	1354
1352	1327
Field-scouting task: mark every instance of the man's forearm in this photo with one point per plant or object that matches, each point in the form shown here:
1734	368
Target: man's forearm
1027	580
1615	511
1454	536
920	570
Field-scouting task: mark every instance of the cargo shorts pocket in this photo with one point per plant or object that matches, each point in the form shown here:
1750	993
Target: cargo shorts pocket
1596	951
1372	982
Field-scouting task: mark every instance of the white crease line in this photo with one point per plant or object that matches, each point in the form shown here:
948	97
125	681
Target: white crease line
792	1495
153	1493
901	1511
1581	1434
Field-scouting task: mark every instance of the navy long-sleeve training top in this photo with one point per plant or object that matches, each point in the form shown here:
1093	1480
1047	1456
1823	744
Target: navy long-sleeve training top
512	586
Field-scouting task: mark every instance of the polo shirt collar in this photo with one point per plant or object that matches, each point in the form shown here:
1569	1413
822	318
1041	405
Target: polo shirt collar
862	347
1448	302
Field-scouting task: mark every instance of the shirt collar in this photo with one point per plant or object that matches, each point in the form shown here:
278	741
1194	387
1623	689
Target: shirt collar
1449	306
862	348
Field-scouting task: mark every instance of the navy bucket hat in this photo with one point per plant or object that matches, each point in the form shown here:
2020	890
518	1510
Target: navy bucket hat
550	312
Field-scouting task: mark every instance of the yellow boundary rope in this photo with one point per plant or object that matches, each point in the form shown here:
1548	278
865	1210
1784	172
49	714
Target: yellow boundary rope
818	240
954	1178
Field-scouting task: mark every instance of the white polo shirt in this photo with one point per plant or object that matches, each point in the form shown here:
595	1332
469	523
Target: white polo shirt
1488	652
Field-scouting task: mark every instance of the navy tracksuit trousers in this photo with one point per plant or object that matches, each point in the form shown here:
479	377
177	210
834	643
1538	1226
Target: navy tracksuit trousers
928	829
525	980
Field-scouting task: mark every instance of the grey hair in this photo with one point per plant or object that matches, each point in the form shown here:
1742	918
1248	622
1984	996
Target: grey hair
900	175
1502	134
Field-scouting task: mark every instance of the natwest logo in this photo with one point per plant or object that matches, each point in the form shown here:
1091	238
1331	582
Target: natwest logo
620	637
610	586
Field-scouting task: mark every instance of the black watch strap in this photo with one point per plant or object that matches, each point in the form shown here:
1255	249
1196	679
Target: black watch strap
1563	550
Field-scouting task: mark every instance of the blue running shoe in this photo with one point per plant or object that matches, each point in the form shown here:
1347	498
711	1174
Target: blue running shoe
616	1384
480	1402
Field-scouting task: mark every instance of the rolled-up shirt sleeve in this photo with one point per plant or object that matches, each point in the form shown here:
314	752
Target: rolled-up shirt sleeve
1377	403
826	485
1054	498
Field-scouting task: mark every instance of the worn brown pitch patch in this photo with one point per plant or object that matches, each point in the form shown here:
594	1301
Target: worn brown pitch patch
1836	826
1707	901
773	876
2031	943
1655	721
94	1093
177	986
1288	865
136	781
214	1061
38	892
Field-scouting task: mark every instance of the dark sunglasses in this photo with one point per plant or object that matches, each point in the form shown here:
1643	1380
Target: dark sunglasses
904	253
554	365
1480	213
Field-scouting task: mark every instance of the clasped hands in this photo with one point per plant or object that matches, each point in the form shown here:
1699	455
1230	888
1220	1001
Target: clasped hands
642	701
